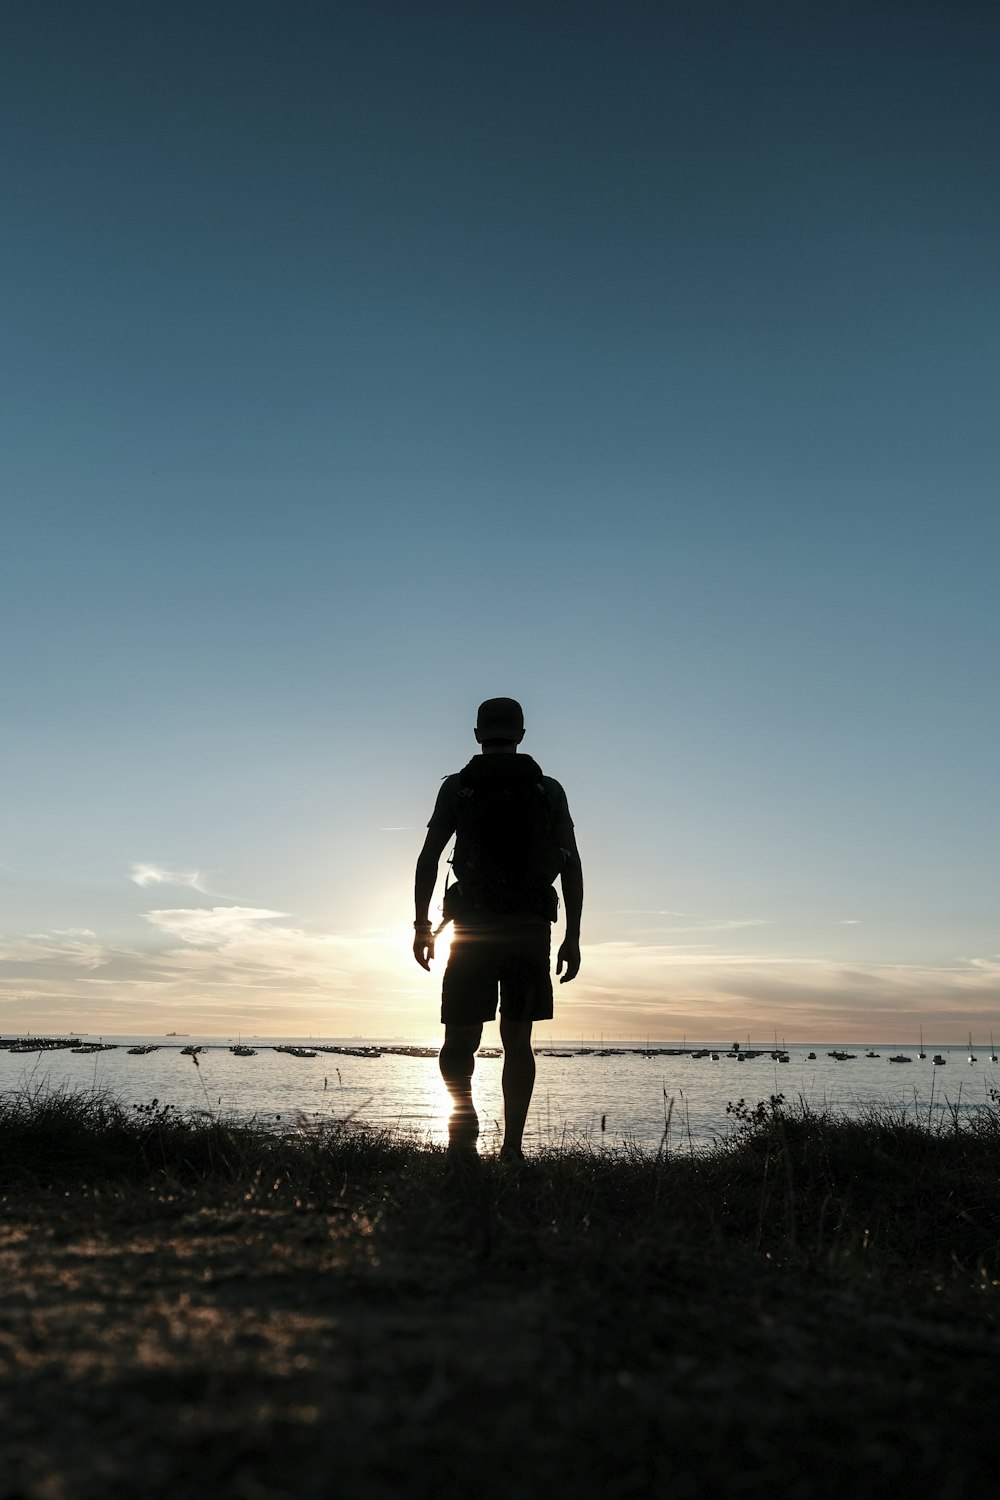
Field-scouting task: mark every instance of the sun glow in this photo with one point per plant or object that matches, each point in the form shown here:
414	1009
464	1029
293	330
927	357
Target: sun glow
394	945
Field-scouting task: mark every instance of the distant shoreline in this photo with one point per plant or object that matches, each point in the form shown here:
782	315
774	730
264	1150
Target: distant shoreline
666	1046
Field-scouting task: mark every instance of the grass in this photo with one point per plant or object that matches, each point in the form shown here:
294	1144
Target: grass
197	1307
59	1139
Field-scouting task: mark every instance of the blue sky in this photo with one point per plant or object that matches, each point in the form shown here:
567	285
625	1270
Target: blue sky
363	361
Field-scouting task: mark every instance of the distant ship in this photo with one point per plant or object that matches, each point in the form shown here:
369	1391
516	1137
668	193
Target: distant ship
178	1033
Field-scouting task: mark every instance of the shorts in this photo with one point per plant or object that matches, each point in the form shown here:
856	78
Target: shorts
509	959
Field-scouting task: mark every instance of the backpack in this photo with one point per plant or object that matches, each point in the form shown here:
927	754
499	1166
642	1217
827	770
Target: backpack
506	855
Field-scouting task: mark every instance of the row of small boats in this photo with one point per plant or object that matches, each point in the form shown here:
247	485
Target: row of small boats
41	1044
241	1049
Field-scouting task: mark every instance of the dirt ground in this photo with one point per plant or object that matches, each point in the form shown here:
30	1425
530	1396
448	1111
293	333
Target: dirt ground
183	1348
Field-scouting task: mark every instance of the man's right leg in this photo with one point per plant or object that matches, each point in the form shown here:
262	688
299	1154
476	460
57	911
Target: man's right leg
457	1061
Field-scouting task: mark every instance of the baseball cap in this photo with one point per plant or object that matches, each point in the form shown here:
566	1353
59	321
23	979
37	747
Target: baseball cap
500	719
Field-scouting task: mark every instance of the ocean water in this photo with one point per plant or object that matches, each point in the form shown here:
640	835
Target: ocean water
607	1097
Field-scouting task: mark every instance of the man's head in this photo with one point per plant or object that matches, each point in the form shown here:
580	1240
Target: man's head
499	724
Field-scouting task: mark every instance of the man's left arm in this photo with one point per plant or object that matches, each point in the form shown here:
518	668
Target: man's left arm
572	889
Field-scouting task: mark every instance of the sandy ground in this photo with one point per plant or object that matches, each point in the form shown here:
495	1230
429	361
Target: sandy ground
178	1348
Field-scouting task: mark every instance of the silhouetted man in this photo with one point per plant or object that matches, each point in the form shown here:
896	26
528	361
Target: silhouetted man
514	836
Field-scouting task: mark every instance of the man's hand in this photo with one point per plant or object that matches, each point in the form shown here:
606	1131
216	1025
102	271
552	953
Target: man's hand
423	945
569	954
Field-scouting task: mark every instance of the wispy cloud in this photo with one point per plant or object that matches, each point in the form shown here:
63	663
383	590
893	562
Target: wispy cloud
675	923
214	926
637	911
725	924
216	969
241	950
629	985
76	946
693	921
226	965
146	875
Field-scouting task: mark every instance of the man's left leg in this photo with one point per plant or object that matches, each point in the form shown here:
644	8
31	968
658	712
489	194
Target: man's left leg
518	1081
457	1060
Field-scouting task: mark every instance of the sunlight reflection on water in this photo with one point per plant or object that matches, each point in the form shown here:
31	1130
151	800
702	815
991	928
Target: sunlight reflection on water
632	1094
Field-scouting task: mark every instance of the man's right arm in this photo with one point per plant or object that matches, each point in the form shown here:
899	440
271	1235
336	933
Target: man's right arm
423	889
